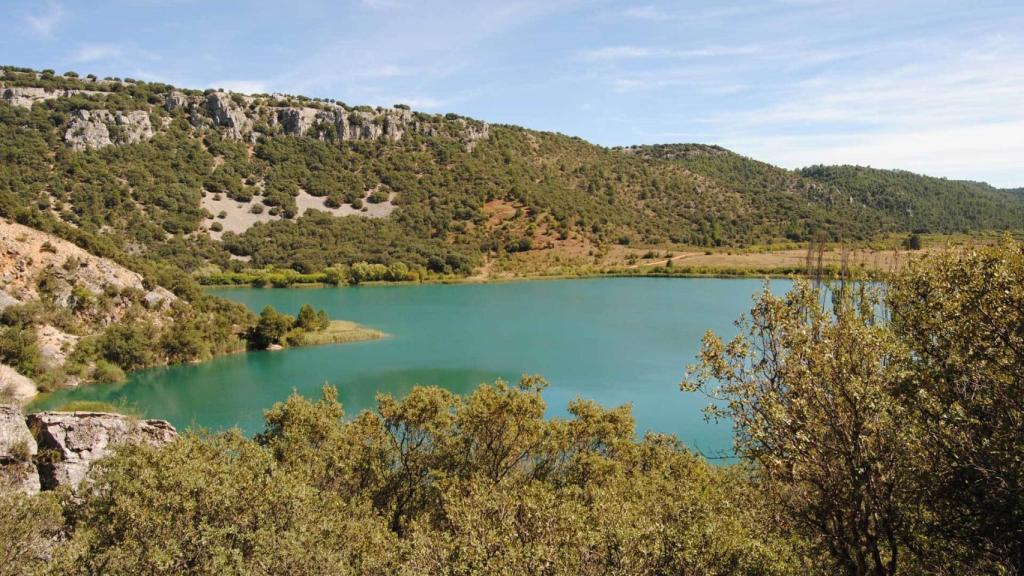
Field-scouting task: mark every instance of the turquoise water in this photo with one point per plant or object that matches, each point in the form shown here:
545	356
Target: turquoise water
613	340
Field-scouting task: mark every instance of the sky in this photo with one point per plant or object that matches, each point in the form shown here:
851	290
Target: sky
931	86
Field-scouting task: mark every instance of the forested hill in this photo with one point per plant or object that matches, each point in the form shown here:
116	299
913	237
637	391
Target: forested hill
169	179
865	198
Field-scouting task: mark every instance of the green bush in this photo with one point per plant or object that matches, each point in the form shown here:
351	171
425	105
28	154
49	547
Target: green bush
129	346
18	349
105	371
271	328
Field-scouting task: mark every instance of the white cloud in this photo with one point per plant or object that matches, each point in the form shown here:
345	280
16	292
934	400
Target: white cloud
957	113
243	86
45	22
94	52
627	52
988	152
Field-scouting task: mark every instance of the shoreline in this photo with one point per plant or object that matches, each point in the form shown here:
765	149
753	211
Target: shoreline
340	332
726	274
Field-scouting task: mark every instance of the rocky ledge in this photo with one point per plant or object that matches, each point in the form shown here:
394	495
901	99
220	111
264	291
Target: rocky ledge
48	450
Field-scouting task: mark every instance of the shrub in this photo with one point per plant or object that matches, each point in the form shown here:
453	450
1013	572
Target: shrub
271	327
18	349
105	371
129	346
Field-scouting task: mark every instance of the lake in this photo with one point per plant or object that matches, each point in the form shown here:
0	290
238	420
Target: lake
613	340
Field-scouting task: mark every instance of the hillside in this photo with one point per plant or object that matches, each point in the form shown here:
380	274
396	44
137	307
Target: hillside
169	181
867	200
70	317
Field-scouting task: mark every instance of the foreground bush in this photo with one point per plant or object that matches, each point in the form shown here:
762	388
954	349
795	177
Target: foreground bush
431	484
895	447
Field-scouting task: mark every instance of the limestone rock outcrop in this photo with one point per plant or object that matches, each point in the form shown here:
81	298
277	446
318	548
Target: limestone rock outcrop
19	477
236	116
25	253
74	440
99	128
15	387
227	114
16	442
52	449
175	100
26	96
363	124
17	447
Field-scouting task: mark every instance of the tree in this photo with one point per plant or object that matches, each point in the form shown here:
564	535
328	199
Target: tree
271	327
219	505
309	319
961	314
129	346
811	391
18	348
913	242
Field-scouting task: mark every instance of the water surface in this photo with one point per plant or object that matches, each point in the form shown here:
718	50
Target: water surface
612	340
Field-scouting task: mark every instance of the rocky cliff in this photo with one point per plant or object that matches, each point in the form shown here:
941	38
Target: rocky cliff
236	116
53	449
81	293
26	96
99	128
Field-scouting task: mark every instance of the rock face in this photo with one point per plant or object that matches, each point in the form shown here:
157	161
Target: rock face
77	439
175	100
26	252
26	96
226	113
236	115
19	477
16	442
65	445
99	128
17	447
55	345
357	125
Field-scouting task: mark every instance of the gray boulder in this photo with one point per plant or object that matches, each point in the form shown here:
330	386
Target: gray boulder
75	440
19	477
16	442
17	447
175	100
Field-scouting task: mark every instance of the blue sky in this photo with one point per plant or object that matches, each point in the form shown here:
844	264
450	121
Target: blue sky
930	86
